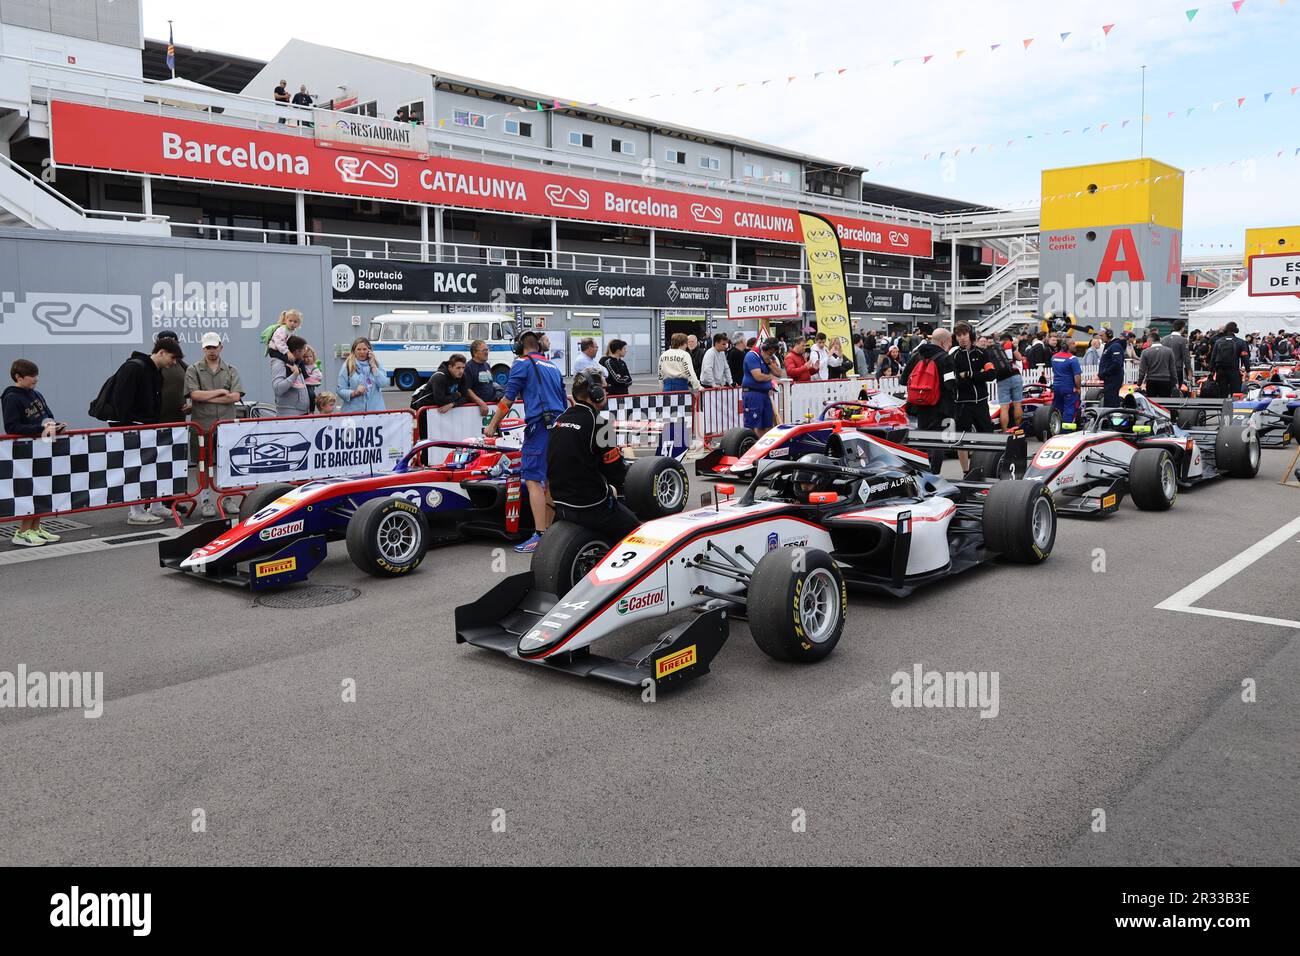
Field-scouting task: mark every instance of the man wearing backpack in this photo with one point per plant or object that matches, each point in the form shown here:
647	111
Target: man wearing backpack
930	382
1226	357
136	399
1011	384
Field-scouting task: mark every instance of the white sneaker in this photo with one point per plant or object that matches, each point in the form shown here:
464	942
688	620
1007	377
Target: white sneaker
160	511
231	506
143	517
209	510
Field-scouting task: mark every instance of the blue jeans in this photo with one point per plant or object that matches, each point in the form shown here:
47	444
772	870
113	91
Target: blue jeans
676	385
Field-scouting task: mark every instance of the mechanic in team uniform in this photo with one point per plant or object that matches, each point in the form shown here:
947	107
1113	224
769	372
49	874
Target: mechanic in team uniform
1067	380
757	385
1111	369
540	386
584	466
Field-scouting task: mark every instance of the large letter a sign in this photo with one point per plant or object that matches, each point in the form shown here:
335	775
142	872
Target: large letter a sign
1121	241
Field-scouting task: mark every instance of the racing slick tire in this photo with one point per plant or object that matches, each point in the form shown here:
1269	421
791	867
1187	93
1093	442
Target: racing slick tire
1091	396
1236	452
736	441
564	556
656	487
797	615
985	464
1047	422
1020	521
1153	479
388	537
1295	426
260	497
1189	418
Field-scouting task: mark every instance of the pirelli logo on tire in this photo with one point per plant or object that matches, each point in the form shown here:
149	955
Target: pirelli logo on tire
667	666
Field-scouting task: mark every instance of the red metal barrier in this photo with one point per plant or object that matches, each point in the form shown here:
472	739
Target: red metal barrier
75	468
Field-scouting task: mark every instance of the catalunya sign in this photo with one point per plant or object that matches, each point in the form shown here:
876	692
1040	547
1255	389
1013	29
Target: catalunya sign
101	138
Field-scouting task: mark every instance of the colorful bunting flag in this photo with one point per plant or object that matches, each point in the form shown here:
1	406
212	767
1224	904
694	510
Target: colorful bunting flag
1266	97
1027	42
1106	28
1240	100
1237	5
959	53
1065	36
927	58
993	48
1191	14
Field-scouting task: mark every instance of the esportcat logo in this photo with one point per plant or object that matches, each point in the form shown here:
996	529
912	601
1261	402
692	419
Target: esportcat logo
640	602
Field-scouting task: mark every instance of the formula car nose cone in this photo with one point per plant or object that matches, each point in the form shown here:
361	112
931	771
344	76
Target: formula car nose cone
539	640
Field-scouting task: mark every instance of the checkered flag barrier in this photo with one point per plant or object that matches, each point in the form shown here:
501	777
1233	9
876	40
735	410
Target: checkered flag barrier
651	406
82	471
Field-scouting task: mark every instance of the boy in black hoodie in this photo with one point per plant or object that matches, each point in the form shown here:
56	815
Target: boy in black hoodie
27	413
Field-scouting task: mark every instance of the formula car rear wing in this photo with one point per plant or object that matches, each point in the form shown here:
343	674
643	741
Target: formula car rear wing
1012	450
1203	410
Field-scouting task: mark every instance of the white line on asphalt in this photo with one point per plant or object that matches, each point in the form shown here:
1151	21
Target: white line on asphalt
21	555
1184	599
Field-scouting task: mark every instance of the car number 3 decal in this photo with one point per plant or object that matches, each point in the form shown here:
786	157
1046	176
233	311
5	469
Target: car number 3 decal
624	559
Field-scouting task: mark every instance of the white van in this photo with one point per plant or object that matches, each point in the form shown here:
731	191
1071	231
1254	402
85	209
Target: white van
411	345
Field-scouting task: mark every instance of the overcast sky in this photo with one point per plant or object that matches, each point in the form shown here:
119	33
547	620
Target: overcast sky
881	116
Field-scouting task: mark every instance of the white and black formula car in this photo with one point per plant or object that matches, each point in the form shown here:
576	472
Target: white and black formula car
1137	450
783	554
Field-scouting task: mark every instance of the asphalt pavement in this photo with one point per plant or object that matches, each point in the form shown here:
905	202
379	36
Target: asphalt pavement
450	754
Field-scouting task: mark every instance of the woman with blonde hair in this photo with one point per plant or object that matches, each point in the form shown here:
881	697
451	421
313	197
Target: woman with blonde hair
361	378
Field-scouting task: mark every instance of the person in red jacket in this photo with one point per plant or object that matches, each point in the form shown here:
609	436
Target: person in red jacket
797	365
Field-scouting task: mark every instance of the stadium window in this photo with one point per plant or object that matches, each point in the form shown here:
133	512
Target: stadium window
518	128
584	140
415	111
781	176
710	162
363	109
469	118
622	146
675	156
753	171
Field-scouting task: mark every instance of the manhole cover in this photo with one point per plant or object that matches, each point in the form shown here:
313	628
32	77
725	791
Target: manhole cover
56	525
309	595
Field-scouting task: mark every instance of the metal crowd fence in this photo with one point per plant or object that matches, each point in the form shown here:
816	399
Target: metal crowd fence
93	469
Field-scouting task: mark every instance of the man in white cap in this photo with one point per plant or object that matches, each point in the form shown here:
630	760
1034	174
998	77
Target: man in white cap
213	387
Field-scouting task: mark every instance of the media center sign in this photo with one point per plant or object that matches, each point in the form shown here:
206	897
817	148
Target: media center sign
386	280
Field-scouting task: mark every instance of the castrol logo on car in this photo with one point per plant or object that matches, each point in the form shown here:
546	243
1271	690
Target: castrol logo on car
281	531
643	601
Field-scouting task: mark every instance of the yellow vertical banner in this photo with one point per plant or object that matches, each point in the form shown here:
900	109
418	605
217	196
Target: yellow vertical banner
826	272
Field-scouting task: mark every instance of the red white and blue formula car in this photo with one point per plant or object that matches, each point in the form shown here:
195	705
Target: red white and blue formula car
867	515
440	492
740	449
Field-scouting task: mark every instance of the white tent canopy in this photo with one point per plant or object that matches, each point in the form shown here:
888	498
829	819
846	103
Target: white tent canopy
1264	313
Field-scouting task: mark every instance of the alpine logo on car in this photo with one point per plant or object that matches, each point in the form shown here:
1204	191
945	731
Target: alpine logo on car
281	531
640	602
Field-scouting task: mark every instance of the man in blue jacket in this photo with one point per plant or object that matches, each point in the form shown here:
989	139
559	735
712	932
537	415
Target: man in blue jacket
1067	378
541	387
1111	369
